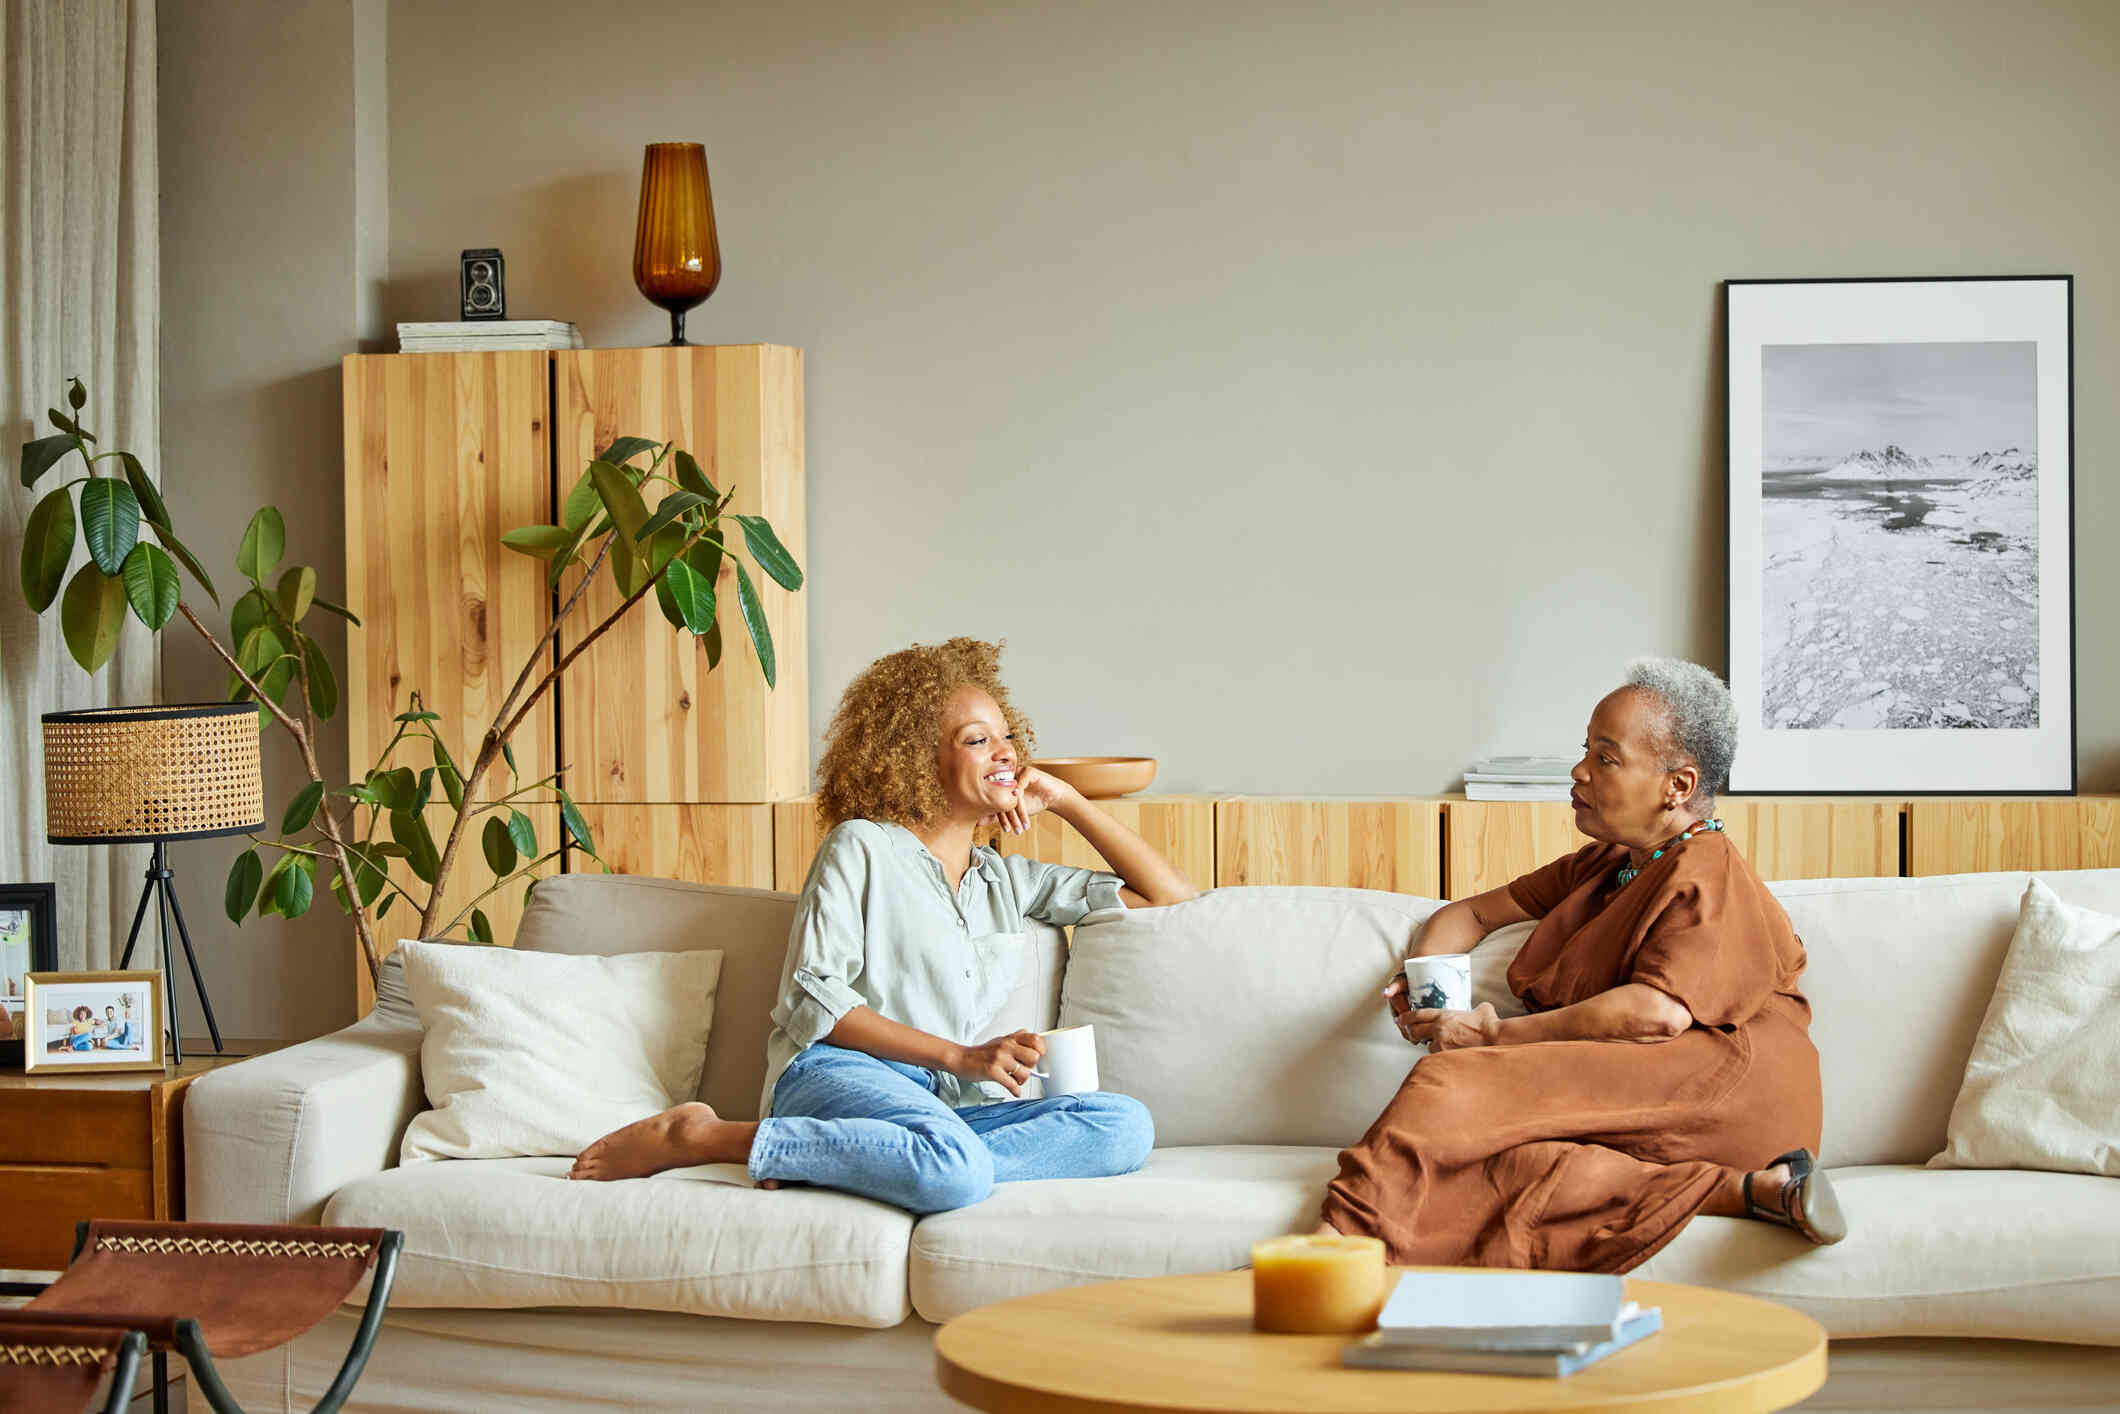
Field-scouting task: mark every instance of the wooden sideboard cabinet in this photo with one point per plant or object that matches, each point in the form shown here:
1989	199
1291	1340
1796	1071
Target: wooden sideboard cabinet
447	452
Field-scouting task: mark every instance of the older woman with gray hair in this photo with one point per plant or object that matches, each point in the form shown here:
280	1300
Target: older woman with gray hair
1664	1068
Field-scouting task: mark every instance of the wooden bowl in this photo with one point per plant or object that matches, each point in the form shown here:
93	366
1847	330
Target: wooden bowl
1102	777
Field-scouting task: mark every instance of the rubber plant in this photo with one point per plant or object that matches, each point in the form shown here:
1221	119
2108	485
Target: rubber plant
674	552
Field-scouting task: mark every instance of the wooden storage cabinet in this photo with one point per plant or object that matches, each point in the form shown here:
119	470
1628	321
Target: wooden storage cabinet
644	720
1974	836
1394	845
706	844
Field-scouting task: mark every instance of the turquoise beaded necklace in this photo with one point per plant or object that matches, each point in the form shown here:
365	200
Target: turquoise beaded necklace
1627	872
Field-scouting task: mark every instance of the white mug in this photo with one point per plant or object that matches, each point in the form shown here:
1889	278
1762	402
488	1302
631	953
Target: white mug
1439	982
1069	1066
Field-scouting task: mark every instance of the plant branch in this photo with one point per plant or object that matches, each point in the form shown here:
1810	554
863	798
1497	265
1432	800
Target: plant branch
328	827
250	682
497	886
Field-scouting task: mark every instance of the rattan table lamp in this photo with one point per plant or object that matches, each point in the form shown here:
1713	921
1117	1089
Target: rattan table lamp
117	775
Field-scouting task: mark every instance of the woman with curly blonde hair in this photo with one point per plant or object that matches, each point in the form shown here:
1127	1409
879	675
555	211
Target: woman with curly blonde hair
908	938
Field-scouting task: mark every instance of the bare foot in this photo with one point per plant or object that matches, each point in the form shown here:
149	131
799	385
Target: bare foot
685	1134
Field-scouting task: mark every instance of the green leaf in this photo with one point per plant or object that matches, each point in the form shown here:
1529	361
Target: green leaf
393	789
566	557
259	649
621	498
666	600
385	907
705	556
296	888
340	609
361	793
243	878
693	596
581	504
323	683
627	570
410	830
499	845
713	641
190	561
508	755
663	547
625	449
540	542
47	548
251	613
523	833
151	584
298	587
772	556
264	541
302	809
91	615
669	509
452	782
418	714
41	455
368	871
424	791
754	619
66	424
693	479
151	503
481	925
110	521
572	823
269	891
76	395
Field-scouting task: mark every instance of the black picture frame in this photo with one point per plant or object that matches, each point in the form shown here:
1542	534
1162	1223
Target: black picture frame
41	903
1886	735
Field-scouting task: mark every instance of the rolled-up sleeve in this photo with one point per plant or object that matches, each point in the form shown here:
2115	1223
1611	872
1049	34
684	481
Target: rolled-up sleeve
826	950
1061	894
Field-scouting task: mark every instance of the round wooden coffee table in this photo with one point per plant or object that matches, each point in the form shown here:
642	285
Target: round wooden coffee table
1186	1343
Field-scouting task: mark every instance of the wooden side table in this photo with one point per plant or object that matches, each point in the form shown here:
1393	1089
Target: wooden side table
91	1146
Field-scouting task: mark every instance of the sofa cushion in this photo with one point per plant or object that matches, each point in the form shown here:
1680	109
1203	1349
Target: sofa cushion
2039	1087
1899	976
2012	1255
529	1053
1185	1210
1248	1015
517	1232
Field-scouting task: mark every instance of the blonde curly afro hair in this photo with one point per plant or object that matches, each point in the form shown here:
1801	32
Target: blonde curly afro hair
879	752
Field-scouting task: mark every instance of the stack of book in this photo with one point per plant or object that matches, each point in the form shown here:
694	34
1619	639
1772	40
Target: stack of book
1503	1323
487	336
1519	778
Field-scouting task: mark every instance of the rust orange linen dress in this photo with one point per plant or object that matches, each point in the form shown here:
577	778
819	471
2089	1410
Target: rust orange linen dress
1591	1155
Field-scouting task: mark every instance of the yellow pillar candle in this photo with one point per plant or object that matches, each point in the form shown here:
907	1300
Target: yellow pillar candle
1317	1283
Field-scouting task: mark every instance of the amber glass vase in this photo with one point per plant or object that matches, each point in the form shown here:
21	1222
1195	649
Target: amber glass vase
676	260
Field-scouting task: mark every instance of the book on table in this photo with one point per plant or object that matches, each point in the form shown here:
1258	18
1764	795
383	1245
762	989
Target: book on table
1504	1309
1379	1352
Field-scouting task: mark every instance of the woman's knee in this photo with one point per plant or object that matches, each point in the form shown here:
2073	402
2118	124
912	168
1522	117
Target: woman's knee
953	1169
1127	1128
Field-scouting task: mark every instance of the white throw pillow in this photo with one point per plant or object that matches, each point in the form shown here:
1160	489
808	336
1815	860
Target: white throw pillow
2039	1089
531	1054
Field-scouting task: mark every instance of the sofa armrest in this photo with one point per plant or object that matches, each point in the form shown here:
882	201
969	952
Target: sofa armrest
270	1139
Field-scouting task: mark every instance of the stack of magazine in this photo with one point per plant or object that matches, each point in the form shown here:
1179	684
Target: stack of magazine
1519	778
487	335
1503	1323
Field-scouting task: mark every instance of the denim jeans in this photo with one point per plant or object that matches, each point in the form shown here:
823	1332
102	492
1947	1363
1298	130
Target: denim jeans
845	1119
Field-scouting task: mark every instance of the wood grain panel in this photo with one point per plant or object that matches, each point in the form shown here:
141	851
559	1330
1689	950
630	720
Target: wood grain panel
101	1128
645	720
796	835
1181	827
1815	838
43	1202
1975	836
1490	842
1394	845
705	844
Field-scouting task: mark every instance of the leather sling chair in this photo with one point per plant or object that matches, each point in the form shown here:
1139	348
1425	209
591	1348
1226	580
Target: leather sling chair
54	1369
222	1290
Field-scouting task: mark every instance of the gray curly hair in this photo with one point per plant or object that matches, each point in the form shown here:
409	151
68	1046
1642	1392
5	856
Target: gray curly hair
1699	722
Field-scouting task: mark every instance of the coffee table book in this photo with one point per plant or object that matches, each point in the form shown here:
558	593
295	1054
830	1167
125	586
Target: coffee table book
1378	1352
1500	1310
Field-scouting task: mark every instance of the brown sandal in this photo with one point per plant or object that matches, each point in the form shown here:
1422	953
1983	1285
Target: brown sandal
1806	1203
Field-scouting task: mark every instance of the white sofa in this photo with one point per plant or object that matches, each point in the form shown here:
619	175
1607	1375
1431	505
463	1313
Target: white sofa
1248	1020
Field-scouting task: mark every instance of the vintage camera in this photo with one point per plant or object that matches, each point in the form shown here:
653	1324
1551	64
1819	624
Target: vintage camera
481	292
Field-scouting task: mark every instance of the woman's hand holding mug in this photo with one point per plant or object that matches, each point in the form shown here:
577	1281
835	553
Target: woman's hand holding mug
1008	1059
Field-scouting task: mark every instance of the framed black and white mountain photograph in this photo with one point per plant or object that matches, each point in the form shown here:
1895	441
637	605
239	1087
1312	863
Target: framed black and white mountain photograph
1901	569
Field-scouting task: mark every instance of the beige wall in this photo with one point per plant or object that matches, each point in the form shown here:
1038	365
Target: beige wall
1314	395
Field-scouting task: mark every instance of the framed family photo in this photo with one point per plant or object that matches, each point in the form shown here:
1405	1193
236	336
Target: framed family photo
29	942
1901	604
88	1021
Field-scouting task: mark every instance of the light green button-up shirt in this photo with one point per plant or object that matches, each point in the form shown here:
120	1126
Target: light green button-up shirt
877	926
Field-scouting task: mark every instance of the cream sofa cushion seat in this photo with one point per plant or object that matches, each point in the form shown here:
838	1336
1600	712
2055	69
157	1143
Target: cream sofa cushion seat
2011	1255
2040	1089
516	1232
1185	1210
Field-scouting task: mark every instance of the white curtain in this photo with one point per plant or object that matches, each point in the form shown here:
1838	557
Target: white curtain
80	287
